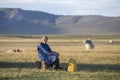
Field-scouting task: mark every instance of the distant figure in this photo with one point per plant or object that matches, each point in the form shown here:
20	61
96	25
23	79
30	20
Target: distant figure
46	55
88	44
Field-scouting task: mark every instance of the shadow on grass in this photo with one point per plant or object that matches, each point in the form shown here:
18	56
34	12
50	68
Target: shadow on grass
95	67
80	67
17	65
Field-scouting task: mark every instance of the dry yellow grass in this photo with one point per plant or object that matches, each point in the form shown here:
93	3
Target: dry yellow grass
29	47
105	57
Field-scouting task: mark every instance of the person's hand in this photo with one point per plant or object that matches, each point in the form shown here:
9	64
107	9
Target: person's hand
55	53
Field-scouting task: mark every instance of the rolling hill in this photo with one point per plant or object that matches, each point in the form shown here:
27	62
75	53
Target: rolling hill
18	21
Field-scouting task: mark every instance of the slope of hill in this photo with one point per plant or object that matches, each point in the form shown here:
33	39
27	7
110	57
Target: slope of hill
89	24
18	21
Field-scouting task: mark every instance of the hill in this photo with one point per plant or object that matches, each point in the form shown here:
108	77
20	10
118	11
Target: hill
18	21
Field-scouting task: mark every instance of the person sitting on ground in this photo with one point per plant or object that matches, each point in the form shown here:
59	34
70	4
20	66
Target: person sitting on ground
46	54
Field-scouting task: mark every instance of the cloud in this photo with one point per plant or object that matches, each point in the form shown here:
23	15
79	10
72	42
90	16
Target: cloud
69	7
16	1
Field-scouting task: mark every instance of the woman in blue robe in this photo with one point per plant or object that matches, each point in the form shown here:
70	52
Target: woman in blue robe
46	54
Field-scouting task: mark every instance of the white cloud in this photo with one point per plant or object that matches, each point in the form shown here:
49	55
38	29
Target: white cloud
17	1
103	7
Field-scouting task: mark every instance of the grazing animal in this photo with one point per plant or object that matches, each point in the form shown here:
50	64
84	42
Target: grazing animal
111	41
14	50
88	44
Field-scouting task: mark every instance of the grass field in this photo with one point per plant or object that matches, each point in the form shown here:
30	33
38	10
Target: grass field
102	63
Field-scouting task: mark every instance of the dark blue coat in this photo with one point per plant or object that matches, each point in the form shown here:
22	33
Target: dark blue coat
45	53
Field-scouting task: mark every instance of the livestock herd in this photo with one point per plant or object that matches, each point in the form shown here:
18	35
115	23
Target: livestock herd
88	44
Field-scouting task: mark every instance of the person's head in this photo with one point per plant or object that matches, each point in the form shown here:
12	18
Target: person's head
44	39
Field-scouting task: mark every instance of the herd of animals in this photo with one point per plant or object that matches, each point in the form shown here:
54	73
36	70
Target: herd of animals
88	44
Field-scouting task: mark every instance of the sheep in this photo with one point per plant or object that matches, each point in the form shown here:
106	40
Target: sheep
14	50
111	41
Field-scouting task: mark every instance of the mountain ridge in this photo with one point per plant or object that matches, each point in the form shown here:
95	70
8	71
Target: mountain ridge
18	21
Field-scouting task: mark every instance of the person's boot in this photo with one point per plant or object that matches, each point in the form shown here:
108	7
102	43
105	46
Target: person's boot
57	64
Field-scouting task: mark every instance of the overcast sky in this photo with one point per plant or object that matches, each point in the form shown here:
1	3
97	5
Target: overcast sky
67	7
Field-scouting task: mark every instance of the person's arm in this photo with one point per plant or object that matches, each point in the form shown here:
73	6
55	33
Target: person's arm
55	53
44	50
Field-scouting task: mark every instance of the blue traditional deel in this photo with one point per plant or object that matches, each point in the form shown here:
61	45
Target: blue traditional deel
45	53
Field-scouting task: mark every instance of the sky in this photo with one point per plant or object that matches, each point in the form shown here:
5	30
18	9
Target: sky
67	7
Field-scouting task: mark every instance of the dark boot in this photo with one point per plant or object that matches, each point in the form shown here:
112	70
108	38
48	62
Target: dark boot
56	64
